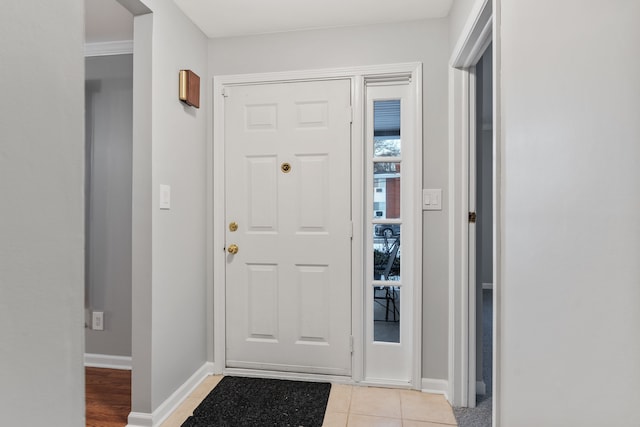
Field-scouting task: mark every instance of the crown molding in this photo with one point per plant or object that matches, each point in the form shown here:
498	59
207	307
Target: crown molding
122	47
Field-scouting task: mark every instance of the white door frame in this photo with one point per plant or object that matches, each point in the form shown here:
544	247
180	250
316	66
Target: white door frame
478	32
216	210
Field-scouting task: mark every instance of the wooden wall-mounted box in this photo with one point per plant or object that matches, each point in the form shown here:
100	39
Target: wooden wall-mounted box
190	88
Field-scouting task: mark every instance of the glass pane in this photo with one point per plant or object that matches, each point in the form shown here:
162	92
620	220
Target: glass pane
386	314
386	128
386	190
386	252
385	146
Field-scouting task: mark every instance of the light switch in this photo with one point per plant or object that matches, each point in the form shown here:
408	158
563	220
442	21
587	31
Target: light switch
165	196
432	199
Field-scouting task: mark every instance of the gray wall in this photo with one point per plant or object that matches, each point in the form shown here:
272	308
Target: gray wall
569	340
41	213
169	264
419	41
108	126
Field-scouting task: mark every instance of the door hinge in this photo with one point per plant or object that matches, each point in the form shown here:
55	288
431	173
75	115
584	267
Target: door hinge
351	344
224	92
472	217
350	114
351	230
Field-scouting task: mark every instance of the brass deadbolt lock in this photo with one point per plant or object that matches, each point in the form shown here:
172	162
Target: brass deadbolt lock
285	167
233	226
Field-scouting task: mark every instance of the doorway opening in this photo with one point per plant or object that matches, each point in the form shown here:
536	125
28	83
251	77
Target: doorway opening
118	89
484	226
481	245
108	200
473	252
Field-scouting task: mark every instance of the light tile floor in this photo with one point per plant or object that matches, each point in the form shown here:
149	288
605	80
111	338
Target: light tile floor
354	406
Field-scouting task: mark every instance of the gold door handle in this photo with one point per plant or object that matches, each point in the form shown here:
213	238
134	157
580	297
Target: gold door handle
233	249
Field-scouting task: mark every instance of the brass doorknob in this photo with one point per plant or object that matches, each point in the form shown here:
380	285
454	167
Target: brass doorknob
233	249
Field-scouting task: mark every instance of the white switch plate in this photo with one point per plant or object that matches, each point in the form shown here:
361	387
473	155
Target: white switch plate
165	196
432	199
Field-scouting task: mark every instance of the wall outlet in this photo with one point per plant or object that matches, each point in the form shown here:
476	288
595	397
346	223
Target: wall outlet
97	321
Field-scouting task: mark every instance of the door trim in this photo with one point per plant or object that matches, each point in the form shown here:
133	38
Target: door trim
216	208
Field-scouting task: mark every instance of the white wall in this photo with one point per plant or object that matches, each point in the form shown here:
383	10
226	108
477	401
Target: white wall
419	41
179	160
169	288
458	15
108	128
41	213
141	239
570	341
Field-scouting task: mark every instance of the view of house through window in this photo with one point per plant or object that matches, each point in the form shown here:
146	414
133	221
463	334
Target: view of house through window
387	220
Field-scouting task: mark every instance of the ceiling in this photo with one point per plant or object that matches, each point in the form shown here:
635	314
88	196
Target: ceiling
107	20
224	18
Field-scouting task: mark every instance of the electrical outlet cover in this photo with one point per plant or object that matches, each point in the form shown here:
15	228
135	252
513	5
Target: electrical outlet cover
97	321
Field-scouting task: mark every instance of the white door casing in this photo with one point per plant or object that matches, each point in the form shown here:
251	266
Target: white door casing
287	179
471	231
476	35
218	226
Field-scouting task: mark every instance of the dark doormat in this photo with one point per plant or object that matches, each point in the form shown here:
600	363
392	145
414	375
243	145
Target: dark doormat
238	401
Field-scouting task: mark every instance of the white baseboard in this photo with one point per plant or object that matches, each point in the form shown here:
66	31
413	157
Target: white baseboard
481	388
430	385
140	419
92	360
166	408
487	285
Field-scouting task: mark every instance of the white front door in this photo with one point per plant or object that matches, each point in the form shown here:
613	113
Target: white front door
287	190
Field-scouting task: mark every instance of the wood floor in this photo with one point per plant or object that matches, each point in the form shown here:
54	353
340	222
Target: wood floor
108	397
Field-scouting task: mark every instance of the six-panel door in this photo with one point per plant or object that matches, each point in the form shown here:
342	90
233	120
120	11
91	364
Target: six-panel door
287	187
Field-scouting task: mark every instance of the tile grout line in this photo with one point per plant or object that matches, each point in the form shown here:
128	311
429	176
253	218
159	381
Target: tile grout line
350	400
